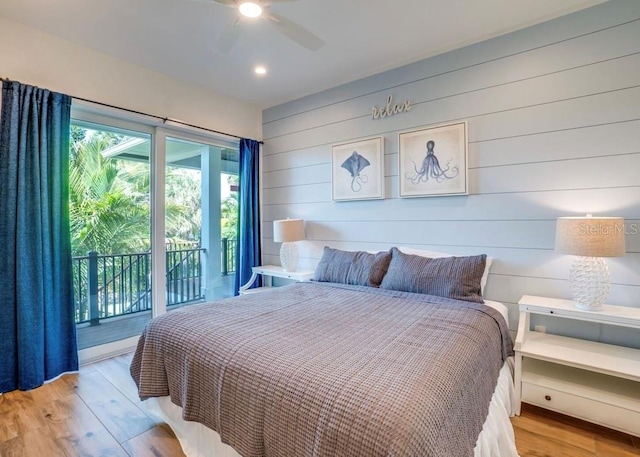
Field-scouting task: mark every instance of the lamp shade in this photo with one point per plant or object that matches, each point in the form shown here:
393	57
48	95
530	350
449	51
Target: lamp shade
590	236
288	230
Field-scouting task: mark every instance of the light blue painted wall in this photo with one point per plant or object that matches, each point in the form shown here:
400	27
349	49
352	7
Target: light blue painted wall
553	116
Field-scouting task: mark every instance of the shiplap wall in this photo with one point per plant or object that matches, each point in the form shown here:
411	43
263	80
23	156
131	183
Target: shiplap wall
553	115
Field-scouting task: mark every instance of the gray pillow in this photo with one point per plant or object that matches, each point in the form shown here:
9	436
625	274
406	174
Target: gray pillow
452	277
352	267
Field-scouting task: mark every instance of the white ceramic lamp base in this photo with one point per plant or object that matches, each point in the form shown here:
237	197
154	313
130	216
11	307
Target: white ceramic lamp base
289	256
589	280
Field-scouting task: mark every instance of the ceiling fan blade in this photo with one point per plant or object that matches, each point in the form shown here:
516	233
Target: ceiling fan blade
296	32
229	36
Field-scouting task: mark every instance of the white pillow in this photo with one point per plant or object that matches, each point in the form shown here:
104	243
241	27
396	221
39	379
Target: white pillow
436	255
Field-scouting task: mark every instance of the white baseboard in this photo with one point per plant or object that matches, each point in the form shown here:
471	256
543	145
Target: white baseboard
105	351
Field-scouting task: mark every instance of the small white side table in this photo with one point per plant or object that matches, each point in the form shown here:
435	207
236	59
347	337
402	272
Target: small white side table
590	380
273	271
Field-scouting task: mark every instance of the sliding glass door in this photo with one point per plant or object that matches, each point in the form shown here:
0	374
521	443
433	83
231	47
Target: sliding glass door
110	231
200	220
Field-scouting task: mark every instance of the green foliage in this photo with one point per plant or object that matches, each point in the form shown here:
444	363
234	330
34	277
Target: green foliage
109	199
183	204
229	211
108	206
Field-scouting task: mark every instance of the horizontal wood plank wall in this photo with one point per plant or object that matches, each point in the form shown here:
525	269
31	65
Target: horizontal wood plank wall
553	114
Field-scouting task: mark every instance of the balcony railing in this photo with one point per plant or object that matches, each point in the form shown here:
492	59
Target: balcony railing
228	250
114	285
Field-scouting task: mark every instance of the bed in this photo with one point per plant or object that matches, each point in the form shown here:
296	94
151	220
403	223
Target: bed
353	367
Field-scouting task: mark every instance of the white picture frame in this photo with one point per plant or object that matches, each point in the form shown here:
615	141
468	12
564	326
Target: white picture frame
357	170
433	161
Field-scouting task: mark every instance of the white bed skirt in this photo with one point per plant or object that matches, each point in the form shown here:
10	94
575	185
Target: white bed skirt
495	440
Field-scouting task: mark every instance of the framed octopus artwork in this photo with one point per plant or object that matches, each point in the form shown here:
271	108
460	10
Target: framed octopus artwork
433	161
357	170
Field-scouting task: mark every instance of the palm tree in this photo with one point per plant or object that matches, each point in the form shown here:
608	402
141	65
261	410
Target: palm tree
109	199
109	205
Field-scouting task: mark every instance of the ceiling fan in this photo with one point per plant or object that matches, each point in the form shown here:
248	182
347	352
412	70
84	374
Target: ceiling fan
260	9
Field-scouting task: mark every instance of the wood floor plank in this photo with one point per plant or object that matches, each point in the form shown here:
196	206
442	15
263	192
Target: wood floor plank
19	413
116	370
156	442
605	449
77	430
53	390
531	444
120	416
33	443
562	433
615	438
556	421
539	432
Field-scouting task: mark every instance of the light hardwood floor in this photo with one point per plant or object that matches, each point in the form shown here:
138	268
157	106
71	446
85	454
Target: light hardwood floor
93	413
97	413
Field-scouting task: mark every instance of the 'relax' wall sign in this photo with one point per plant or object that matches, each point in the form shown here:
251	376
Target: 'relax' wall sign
390	109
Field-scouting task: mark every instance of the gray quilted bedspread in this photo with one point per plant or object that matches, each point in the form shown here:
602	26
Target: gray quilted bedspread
317	369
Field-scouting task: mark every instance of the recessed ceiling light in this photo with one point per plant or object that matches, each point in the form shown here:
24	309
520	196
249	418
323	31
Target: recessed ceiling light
260	70
250	9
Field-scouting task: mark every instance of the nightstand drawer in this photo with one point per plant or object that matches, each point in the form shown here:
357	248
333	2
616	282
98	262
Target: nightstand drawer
583	408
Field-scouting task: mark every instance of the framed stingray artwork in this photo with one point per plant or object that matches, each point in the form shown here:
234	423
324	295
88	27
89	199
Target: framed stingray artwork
433	161
357	170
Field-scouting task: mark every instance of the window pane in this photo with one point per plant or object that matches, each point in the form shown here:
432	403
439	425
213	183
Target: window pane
110	232
200	221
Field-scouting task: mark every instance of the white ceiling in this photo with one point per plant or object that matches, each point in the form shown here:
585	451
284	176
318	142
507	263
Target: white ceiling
363	37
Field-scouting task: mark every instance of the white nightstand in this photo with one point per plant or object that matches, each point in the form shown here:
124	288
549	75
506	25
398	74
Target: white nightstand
593	381
272	271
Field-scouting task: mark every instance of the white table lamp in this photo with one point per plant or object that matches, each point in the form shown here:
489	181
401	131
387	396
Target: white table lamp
287	232
590	239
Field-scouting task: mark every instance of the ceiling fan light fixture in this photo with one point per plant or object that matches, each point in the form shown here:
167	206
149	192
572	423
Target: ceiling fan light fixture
258	11
250	9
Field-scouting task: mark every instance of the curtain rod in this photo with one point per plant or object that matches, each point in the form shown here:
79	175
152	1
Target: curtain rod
163	119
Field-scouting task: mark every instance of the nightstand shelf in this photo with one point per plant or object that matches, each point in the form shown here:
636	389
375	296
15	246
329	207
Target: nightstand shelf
273	271
588	355
593	381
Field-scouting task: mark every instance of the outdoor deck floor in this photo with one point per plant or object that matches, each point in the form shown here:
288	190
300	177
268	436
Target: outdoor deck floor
119	328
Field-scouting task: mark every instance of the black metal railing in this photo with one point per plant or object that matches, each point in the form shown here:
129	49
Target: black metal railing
114	285
228	250
184	276
111	285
